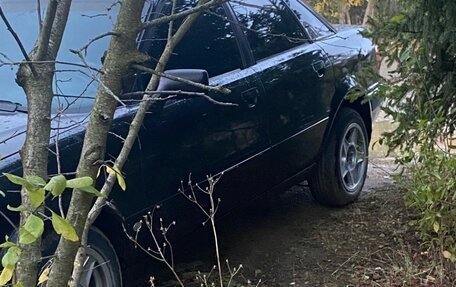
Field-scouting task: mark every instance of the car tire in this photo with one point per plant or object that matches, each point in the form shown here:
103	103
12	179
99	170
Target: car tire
102	267
341	171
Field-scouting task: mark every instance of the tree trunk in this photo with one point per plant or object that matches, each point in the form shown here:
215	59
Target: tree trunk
344	13
38	89
369	11
36	80
135	125
121	53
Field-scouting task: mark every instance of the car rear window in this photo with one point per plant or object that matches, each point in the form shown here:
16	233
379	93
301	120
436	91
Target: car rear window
269	26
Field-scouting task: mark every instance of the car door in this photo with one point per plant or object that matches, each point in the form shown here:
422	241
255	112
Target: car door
191	134
292	68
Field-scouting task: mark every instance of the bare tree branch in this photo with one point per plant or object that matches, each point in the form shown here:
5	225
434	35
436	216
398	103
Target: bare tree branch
175	95
86	46
52	62
38	11
197	9
16	37
45	31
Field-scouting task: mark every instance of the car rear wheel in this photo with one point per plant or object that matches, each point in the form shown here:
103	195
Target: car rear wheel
340	174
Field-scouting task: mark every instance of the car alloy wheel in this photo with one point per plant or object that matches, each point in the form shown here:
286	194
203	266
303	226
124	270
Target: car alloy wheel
98	271
353	157
101	268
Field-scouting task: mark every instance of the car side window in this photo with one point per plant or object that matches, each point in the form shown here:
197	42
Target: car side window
210	43
269	26
314	26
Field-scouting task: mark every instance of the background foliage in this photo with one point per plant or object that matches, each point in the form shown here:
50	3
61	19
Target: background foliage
419	37
333	10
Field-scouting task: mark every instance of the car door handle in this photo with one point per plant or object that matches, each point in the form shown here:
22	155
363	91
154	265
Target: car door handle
250	97
319	67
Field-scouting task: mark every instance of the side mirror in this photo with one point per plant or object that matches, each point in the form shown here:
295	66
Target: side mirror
194	75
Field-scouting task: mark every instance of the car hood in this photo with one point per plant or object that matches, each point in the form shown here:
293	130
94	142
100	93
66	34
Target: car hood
12	133
14	125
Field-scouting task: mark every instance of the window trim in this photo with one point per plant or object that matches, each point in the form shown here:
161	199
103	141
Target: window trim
243	45
319	17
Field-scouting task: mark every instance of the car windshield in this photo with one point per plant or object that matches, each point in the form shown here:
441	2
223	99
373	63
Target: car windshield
74	86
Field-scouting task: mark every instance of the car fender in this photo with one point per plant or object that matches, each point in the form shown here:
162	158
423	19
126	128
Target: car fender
364	108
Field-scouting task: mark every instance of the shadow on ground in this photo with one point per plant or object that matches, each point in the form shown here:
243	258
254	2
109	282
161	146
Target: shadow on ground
290	240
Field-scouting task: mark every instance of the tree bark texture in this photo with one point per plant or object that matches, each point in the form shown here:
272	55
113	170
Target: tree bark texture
36	80
369	11
121	53
344	13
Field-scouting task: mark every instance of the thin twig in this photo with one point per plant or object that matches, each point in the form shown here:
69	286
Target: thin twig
18	41
9	220
57	157
52	62
345	262
171	23
166	19
175	95
86	46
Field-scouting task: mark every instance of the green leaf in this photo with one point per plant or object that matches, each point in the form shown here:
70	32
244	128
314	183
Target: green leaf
397	19
11	257
16	209
19	181
2	193
436	227
44	276
35	180
121	181
7	275
37	197
64	228
92	190
18	285
119	176
79	182
7	244
56	185
32	230
15	179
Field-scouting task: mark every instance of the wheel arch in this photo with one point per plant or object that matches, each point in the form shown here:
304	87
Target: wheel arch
363	107
110	222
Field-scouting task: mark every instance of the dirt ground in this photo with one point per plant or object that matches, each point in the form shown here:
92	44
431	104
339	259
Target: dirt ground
293	241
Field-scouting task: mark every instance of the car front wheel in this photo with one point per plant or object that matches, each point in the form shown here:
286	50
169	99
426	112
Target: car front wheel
341	171
102	268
